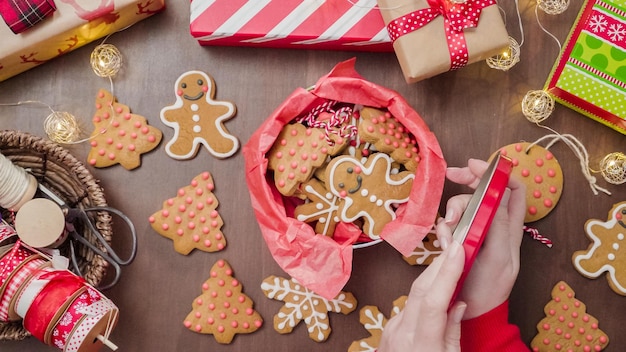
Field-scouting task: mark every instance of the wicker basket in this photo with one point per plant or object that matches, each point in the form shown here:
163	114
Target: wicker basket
55	168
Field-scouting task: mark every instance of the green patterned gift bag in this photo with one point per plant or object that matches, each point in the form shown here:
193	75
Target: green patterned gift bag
590	73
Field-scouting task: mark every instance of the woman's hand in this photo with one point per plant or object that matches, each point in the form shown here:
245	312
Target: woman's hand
425	323
495	269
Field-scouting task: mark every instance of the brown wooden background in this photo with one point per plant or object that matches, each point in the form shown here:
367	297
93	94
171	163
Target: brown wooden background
472	111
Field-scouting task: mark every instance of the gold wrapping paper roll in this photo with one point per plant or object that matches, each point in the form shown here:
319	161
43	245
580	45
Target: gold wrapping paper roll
424	53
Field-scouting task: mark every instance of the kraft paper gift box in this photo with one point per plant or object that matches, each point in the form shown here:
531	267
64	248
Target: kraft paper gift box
73	24
424	51
590	74
301	24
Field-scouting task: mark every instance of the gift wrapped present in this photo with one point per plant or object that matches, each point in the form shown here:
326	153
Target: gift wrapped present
434	36
590	74
320	262
304	24
73	24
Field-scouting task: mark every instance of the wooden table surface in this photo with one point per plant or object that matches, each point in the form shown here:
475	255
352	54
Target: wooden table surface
472	111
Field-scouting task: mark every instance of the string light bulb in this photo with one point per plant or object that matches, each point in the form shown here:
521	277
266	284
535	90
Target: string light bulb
106	60
613	168
537	105
553	7
508	58
62	127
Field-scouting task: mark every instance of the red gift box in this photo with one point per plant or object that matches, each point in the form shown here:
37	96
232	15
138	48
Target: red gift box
303	24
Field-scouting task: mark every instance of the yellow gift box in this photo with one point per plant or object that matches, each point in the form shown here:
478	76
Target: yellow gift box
424	52
74	24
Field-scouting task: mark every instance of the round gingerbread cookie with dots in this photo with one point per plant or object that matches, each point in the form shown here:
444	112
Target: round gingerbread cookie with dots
539	170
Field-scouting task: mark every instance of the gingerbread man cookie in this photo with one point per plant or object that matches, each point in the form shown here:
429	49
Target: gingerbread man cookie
119	137
198	119
607	251
369	190
539	170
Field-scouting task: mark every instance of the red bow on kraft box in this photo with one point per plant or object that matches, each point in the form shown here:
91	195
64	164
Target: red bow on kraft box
435	36
319	262
23	14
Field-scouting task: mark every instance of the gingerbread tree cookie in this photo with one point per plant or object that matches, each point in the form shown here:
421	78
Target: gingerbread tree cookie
198	119
567	326
304	304
374	321
119	137
389	136
191	219
297	152
222	309
607	252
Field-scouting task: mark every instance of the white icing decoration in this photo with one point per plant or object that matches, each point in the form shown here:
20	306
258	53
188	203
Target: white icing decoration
197	129
379	202
331	203
373	198
611	256
364	192
616	246
597	242
322	220
319	206
368	171
195	117
194	107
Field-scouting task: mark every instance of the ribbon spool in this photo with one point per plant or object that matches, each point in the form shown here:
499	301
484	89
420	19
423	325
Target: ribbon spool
16	185
40	223
613	168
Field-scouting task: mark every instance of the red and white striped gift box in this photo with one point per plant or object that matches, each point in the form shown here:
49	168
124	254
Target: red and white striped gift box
304	24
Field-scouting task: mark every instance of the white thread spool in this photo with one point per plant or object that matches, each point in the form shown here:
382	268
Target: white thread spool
40	223
16	185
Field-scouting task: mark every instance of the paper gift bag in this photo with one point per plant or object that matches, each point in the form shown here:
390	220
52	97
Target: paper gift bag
73	24
427	43
319	262
590	74
299	24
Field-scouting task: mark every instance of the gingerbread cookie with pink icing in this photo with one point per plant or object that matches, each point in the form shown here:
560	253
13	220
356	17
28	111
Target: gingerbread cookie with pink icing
119	137
297	152
539	170
198	119
223	310
567	326
389	136
370	191
191	219
607	252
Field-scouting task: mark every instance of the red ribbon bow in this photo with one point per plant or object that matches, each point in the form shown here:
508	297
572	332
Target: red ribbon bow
457	17
23	14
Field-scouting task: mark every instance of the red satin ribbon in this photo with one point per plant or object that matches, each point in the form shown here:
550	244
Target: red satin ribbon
23	14
456	17
62	286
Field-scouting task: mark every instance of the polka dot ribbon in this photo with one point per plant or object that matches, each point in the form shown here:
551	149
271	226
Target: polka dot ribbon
457	17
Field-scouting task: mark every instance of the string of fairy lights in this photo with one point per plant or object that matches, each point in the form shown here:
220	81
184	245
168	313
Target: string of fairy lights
538	105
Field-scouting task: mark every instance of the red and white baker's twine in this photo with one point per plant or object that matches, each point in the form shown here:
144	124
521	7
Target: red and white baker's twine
337	124
457	17
534	233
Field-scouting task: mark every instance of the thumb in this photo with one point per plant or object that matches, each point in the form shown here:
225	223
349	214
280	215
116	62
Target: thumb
453	327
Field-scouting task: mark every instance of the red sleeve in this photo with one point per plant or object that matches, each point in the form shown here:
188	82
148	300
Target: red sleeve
491	332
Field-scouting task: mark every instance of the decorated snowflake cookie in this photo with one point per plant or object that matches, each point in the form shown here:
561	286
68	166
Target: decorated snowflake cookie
374	321
607	252
304	304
